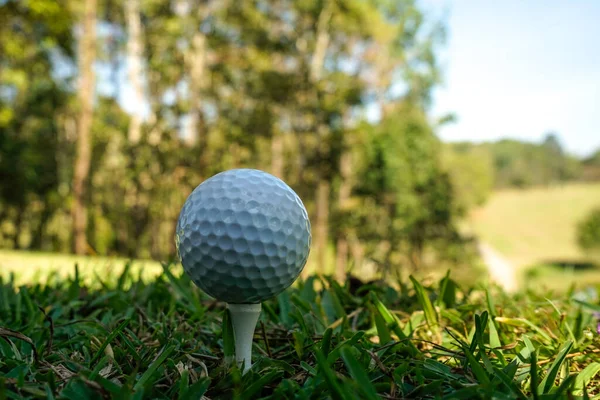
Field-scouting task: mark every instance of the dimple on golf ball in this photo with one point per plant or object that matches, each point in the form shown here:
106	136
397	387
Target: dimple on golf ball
243	236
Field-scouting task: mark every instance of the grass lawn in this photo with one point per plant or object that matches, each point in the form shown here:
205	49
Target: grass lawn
537	227
162	338
30	266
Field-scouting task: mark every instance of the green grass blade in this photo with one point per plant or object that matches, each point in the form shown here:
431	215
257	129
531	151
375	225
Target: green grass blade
480	322
109	339
146	376
431	315
326	342
564	387
228	338
382	328
359	374
477	369
522	322
586	376
336	390
196	391
548	381
533	373
389	318
251	391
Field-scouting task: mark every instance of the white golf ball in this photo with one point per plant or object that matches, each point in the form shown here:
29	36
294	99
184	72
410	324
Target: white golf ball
243	236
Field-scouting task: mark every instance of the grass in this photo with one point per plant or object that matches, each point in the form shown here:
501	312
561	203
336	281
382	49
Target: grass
560	279
29	266
163	338
536	225
536	228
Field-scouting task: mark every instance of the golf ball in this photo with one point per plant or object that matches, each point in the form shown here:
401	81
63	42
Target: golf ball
243	236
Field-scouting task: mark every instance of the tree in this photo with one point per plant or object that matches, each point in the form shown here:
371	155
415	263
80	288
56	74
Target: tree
407	202
134	63
588	233
471	172
591	167
31	103
272	84
87	55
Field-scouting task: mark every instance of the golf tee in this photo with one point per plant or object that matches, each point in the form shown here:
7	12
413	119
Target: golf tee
244	318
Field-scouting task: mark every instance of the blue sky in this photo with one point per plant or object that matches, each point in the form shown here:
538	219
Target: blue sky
520	69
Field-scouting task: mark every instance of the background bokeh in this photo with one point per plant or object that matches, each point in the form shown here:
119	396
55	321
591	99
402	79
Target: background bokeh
112	111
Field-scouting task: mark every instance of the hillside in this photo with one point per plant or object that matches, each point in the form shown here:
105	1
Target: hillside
536	226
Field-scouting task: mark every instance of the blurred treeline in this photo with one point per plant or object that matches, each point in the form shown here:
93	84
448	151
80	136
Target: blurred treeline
112	111
478	168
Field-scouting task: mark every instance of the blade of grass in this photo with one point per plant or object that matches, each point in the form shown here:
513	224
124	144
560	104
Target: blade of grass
109	339
196	391
337	391
166	352
524	322
382	329
359	374
585	376
251	391
431	315
392	322
228	339
326	342
548	381
533	373
477	369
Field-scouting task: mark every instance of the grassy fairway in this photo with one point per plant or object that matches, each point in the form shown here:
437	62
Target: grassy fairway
537	227
38	266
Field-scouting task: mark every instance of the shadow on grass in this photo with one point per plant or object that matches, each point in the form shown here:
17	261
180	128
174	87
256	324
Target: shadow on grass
576	265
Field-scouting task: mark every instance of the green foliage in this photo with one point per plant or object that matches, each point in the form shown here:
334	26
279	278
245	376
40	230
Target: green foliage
471	170
588	232
36	35
165	339
521	164
407	197
591	167
279	86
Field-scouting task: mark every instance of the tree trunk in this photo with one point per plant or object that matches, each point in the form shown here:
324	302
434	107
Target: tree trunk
198	83
134	64
322	224
341	259
323	186
18	223
318	57
357	250
87	56
277	155
38	236
341	265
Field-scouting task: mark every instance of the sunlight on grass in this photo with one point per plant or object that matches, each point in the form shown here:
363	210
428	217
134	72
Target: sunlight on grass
39	266
538	225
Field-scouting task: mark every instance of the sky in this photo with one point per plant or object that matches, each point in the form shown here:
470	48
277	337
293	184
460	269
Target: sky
520	69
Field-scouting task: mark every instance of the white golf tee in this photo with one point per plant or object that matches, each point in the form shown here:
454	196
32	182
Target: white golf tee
244	318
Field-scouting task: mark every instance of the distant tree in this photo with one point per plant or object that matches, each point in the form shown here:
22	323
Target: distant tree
591	167
471	171
594	159
588	233
523	164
